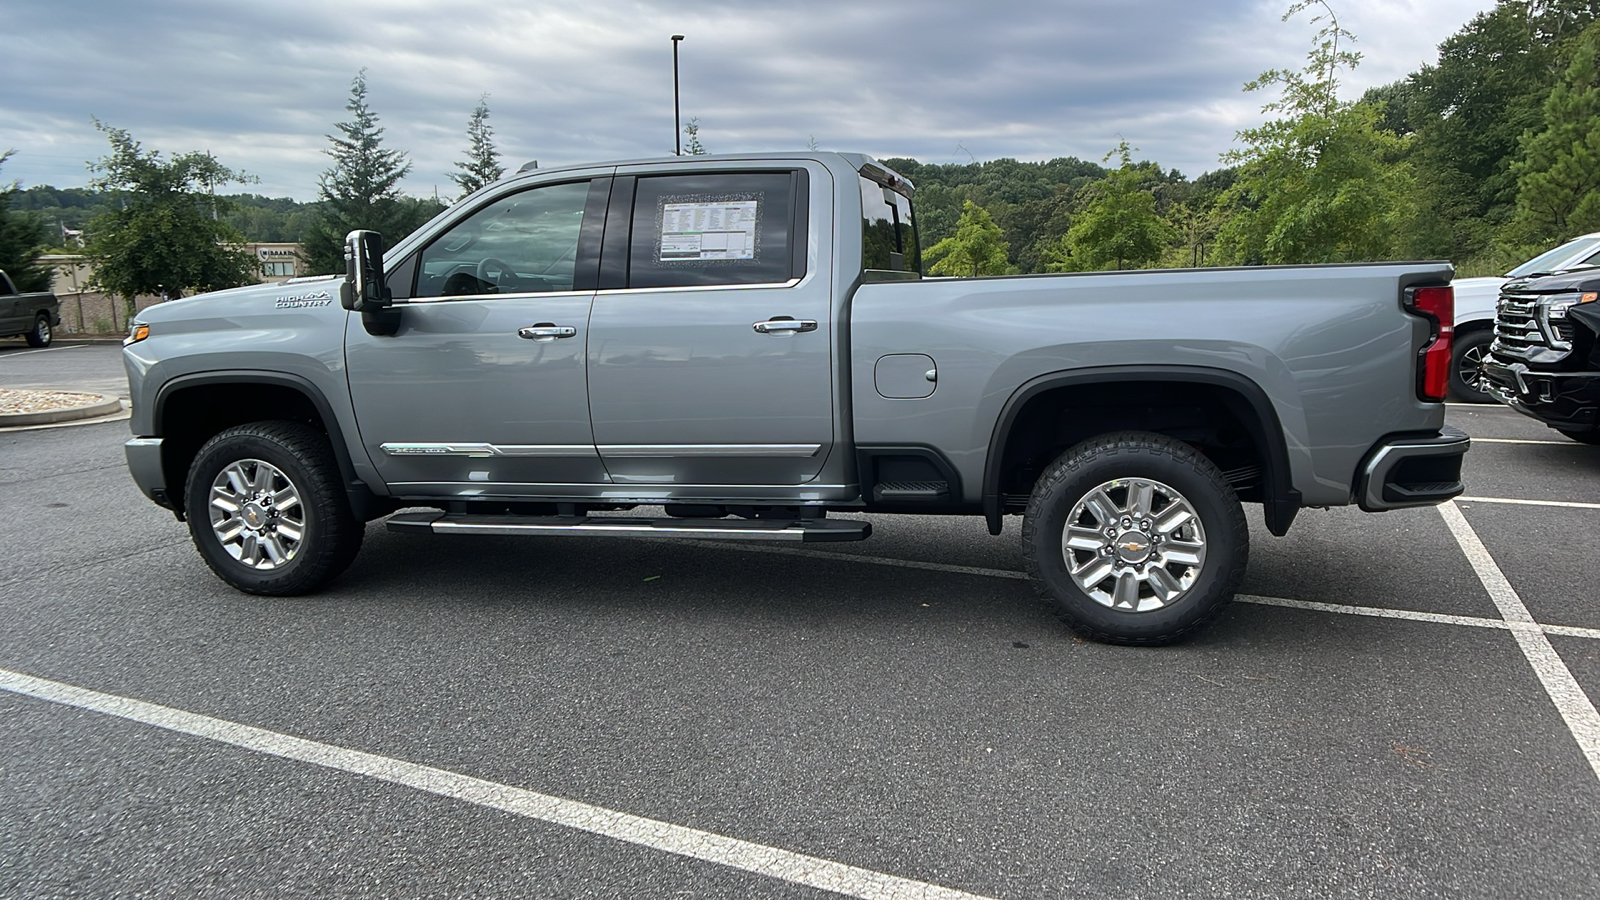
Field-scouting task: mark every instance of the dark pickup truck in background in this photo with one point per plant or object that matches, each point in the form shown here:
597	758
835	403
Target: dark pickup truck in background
1545	359
34	316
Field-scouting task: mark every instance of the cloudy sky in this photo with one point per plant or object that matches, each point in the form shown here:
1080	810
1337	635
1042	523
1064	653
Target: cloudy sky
260	84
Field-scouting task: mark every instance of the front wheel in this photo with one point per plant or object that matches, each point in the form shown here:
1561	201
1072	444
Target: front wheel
1134	538
1466	369
267	509
40	334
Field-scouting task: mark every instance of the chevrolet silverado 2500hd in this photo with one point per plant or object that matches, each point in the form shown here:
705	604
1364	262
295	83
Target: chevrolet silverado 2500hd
745	343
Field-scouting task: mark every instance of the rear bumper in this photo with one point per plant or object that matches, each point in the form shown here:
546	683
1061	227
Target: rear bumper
1420	470
1561	399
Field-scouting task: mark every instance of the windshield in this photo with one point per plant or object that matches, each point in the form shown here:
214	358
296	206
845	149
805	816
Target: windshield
1552	260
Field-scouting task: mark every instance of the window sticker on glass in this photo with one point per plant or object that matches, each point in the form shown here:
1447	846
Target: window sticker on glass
704	230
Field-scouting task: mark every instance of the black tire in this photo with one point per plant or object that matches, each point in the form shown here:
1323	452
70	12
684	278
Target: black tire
266	559
1592	436
1166	468
1466	380
41	334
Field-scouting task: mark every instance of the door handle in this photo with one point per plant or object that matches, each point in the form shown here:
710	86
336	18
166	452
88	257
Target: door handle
546	331
785	325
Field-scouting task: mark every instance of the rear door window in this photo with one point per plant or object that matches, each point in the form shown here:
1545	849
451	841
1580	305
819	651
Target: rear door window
714	229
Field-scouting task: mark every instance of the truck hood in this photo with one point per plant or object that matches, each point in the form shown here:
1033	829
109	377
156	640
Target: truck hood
300	293
1561	283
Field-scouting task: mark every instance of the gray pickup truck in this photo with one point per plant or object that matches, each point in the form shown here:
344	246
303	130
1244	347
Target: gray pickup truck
34	316
742	345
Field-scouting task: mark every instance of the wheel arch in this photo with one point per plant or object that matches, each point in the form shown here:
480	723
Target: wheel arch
190	409
1051	394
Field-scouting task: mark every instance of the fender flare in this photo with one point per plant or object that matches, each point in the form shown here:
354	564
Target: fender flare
361	496
1280	502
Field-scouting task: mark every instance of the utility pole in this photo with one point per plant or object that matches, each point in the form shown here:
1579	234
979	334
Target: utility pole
677	125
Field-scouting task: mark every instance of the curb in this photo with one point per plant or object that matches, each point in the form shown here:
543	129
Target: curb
104	405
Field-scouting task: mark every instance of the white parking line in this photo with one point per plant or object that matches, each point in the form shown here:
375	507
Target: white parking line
1574	705
43	350
1479	440
1564	504
772	862
1379	612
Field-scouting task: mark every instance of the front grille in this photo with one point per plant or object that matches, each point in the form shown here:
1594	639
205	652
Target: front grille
1516	326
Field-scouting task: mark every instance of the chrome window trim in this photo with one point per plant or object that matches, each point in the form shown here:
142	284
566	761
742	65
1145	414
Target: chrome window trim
793	282
520	295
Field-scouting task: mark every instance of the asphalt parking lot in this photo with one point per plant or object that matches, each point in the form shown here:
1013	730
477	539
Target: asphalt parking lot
1399	705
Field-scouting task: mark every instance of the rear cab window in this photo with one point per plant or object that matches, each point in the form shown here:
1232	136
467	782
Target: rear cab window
889	248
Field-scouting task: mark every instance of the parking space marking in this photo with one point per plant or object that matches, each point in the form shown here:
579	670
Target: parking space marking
1566	504
1479	440
772	862
1379	612
1576	709
43	350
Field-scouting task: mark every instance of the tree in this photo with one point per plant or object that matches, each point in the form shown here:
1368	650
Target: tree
22	234
692	129
482	164
1558	176
977	248
1119	224
166	236
1322	183
361	188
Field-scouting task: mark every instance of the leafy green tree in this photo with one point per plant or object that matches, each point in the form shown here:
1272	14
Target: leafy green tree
22	234
977	248
1118	227
361	189
1558	176
1469	112
1321	183
482	164
166	236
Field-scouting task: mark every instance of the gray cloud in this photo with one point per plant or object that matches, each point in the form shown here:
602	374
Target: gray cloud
260	85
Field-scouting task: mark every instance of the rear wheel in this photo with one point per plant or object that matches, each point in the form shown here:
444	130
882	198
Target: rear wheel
267	509
1466	370
1134	538
40	334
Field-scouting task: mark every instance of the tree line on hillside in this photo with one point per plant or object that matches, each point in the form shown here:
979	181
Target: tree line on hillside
1482	158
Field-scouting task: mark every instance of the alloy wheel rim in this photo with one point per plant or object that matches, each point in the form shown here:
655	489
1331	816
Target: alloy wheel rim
1471	368
256	514
1134	545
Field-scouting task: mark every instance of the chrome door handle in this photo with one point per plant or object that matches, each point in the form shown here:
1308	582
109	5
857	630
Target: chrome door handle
784	325
544	331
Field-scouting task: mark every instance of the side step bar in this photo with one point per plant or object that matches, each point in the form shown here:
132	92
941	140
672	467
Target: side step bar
797	530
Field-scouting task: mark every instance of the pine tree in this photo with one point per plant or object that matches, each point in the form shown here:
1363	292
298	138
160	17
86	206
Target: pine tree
22	234
361	188
1558	176
692	129
482	164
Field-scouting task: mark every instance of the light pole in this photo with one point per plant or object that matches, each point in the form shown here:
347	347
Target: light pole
677	126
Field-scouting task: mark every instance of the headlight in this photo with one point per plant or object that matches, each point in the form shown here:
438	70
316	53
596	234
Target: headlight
1559	306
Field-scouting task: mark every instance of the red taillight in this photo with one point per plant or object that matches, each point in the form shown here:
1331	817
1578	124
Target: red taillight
1438	305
